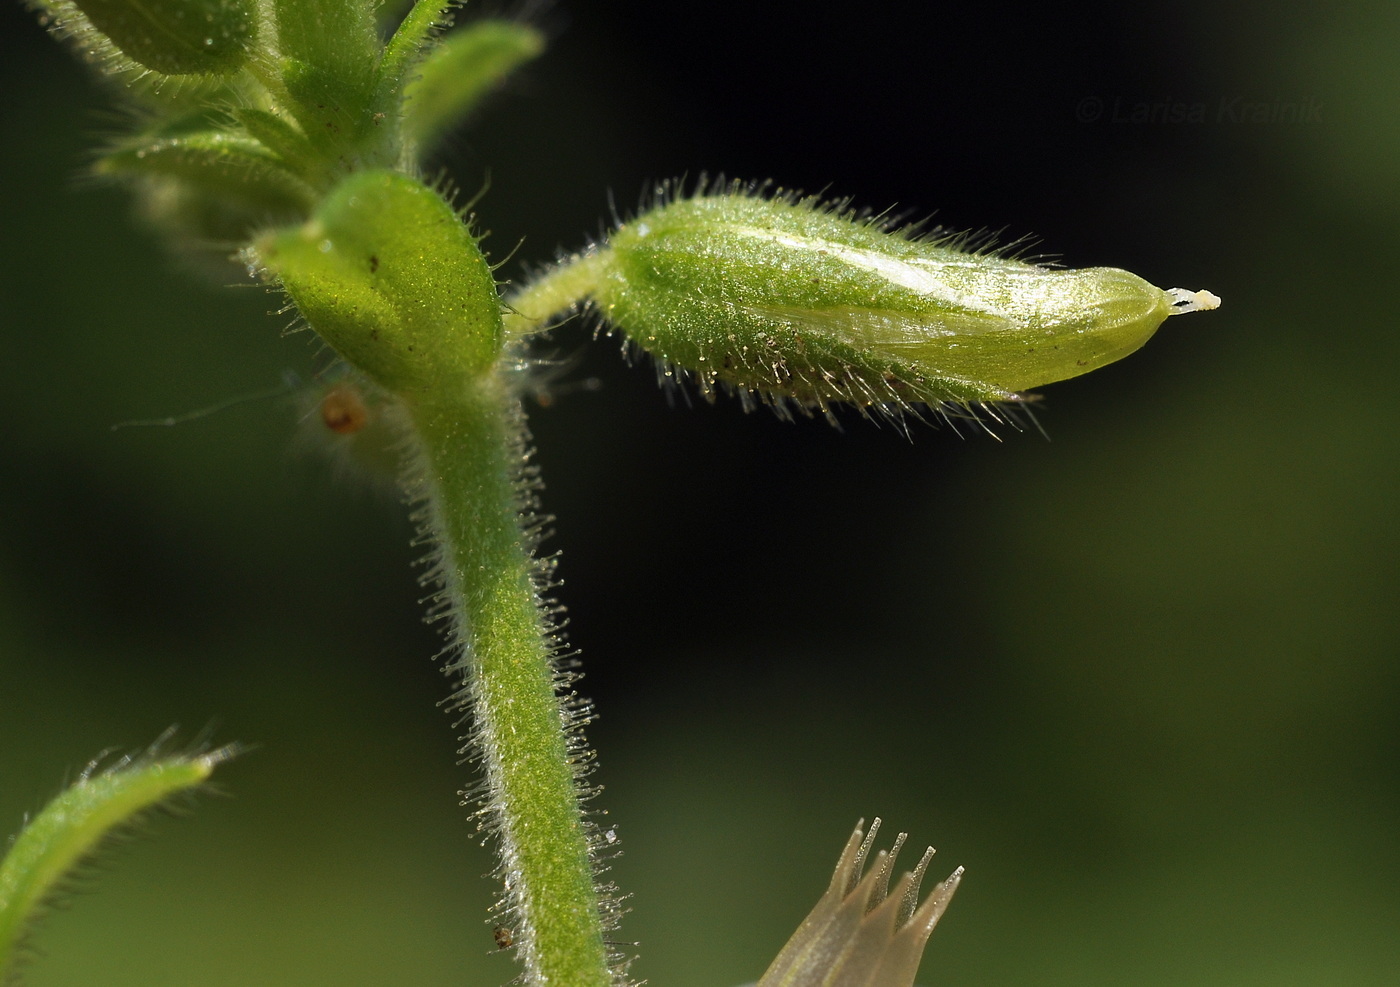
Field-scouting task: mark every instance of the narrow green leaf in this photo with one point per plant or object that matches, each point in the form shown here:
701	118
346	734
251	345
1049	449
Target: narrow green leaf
283	139
215	164
465	67
412	36
73	826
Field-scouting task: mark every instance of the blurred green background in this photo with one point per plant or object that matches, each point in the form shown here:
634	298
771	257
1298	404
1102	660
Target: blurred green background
1139	678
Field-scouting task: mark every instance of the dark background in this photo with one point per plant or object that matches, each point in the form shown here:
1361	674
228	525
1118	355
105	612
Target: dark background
1140	678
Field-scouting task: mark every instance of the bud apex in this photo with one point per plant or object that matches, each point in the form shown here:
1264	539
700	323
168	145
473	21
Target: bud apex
799	301
386	273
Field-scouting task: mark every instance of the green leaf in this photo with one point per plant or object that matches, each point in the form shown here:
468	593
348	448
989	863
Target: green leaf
337	37
215	191
75	824
330	61
413	35
465	67
284	140
215	164
388	275
172	37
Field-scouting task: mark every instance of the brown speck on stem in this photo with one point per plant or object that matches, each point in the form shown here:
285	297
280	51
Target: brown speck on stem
343	410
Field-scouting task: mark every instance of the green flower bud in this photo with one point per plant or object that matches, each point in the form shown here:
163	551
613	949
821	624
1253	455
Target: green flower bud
800	302
386	272
172	37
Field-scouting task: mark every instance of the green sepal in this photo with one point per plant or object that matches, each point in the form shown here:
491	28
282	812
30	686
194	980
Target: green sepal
171	37
801	302
454	78
75	824
388	274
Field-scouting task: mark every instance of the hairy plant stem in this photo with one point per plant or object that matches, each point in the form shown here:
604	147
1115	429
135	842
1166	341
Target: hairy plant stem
478	508
529	306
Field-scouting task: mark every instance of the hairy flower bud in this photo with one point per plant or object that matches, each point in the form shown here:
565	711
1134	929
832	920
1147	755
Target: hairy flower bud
172	37
386	272
798	301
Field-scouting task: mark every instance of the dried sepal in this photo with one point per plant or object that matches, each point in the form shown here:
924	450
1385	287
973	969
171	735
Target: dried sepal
861	933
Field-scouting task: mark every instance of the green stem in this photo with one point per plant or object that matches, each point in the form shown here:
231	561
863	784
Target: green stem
529	307
479	509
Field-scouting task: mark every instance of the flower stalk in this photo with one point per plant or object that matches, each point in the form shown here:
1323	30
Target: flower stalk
478	510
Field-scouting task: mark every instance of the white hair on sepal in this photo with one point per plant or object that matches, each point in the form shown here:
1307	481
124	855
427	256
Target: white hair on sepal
883	402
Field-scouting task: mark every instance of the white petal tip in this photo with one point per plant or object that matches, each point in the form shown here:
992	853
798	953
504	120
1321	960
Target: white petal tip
1185	300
